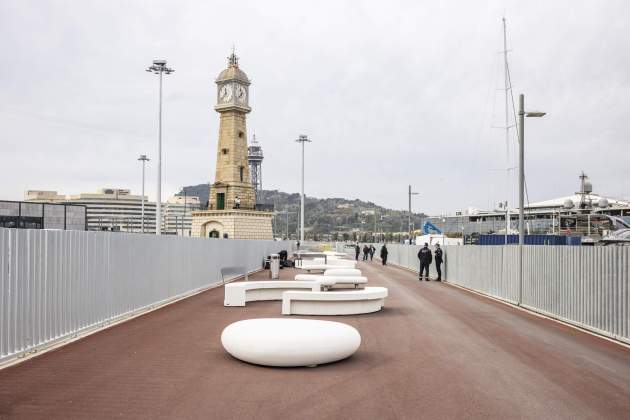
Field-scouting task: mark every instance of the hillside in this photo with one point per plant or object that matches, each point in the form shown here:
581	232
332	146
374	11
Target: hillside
326	216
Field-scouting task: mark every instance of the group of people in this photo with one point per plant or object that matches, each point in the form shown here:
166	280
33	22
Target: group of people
368	252
426	257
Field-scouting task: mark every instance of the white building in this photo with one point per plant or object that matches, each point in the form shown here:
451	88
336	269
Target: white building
177	214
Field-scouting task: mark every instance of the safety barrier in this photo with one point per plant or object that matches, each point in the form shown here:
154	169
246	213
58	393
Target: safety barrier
57	284
585	286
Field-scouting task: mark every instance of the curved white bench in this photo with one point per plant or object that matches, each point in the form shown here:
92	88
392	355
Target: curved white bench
335	282
319	267
351	302
334	261
238	293
342	272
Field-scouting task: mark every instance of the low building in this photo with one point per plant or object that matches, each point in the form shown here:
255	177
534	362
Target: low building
44	215
178	214
111	209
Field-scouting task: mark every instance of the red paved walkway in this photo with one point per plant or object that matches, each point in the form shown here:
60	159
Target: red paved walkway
434	352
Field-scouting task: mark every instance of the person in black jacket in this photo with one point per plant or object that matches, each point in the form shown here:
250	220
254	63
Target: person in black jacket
384	253
438	262
425	257
357	251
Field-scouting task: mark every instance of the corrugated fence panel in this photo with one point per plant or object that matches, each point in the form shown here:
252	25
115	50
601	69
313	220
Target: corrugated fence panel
56	284
585	286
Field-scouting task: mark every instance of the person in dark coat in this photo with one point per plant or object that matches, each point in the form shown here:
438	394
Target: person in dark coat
425	257
372	250
384	253
357	251
438	262
366	252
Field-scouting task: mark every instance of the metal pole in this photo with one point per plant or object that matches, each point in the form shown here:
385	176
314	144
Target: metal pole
143	162
409	216
158	214
302	200
521	192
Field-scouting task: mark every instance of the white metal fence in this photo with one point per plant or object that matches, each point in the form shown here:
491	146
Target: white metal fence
56	284
584	286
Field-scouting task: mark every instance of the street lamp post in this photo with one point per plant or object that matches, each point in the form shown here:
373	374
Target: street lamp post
521	186
159	67
409	215
302	139
144	160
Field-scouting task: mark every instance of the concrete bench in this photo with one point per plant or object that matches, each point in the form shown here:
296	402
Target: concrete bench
319	267
333	261
351	302
342	272
238	293
336	282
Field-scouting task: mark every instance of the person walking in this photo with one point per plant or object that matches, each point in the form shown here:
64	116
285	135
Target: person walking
425	257
366	252
384	253
357	251
372	250
438	262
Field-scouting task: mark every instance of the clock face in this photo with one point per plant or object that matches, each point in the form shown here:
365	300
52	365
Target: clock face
225	93
241	94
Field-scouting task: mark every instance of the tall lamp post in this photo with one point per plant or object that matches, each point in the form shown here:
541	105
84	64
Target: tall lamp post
144	160
409	215
521	186
159	68
302	139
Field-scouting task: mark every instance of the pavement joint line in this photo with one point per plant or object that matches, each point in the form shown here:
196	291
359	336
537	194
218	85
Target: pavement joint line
38	351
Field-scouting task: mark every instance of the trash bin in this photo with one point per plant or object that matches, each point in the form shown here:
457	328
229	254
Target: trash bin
274	271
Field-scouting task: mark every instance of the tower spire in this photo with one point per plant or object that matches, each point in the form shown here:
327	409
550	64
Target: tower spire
233	59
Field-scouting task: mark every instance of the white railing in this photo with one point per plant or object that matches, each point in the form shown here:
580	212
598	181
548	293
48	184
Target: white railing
57	284
585	286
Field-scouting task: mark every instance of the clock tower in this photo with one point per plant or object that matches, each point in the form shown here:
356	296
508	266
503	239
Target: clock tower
232	211
232	171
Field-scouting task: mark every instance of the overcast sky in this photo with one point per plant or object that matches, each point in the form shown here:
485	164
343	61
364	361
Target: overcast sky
390	92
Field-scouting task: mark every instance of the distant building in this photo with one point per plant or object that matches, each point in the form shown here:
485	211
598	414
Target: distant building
113	209
44	215
178	214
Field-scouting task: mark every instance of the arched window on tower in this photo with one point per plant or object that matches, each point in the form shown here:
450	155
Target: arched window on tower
240	171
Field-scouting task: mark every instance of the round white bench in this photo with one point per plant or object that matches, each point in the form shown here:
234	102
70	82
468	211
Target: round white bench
290	342
238	293
339	263
338	282
351	302
342	272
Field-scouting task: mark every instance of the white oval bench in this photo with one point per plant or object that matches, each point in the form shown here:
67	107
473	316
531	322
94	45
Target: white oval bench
339	263
319	267
343	272
334	282
238	293
351	302
290	342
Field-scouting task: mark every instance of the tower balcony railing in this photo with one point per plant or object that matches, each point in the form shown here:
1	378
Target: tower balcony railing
257	207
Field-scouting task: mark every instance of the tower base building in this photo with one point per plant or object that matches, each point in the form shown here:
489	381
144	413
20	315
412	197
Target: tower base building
232	224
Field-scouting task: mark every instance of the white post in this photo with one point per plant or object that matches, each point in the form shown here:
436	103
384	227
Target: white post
158	212
302	139
143	162
521	192
302	200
